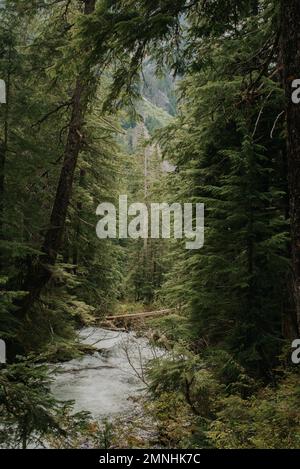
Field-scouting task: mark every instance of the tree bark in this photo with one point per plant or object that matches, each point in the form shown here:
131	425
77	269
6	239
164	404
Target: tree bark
78	225
40	273
290	57
3	145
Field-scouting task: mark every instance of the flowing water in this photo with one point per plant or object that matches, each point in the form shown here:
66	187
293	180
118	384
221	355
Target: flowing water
103	382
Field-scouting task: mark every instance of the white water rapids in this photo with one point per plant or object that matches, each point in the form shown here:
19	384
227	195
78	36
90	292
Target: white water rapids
103	382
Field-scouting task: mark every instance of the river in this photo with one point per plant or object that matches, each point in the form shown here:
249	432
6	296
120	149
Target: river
103	382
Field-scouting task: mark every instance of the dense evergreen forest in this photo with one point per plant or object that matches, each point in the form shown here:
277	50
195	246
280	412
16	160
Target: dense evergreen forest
167	101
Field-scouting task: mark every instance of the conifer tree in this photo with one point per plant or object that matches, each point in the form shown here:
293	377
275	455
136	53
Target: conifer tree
289	60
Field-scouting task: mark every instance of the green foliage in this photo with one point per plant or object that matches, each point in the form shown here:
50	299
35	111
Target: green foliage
174	327
29	412
86	281
213	403
269	420
185	374
226	159
173	421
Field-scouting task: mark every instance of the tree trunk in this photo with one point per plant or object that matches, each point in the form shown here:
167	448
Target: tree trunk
78	225
290	56
40	273
3	146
